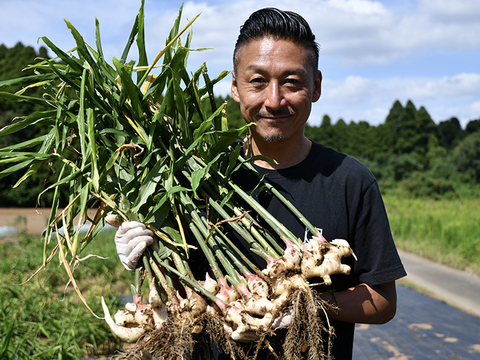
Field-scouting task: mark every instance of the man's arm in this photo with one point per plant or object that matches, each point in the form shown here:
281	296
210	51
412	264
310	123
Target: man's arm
364	304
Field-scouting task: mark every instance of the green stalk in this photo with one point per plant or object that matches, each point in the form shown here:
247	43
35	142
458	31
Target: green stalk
166	285
206	238
266	252
288	204
258	232
235	260
281	230
192	284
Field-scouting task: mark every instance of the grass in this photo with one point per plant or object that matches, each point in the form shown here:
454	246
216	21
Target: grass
43	320
446	231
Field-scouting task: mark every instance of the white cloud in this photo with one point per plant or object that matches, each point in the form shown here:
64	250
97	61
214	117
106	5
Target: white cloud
356	31
452	11
356	98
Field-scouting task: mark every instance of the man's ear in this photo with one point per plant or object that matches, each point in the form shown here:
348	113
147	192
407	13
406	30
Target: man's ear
234	88
317	87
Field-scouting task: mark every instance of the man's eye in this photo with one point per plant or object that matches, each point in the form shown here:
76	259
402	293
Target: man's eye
257	80
292	81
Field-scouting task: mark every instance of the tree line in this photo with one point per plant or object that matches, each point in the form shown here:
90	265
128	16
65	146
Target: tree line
409	152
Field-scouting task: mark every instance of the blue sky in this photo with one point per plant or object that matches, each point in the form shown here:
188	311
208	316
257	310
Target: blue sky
372	52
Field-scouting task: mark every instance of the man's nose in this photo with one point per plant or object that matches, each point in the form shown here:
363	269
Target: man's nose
274	96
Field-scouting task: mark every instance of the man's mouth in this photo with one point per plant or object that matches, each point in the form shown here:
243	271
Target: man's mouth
275	115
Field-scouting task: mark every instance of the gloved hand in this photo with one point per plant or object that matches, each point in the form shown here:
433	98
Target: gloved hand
131	239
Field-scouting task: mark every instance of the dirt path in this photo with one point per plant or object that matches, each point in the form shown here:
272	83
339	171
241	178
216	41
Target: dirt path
27	220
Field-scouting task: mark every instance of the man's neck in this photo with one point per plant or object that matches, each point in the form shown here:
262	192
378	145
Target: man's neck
285	153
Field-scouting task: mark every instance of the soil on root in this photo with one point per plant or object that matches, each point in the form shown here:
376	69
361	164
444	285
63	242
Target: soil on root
309	337
170	342
175	341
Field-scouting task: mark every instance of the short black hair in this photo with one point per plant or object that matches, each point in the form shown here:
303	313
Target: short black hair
280	25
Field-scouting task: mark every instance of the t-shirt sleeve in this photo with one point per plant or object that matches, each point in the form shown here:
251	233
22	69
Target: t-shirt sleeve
378	260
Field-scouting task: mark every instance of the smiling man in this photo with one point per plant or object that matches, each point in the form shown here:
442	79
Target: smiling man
276	81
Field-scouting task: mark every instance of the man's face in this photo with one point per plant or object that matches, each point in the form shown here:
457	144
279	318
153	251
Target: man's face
275	86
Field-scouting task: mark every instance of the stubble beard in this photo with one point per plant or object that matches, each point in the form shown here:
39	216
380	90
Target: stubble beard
275	138
272	139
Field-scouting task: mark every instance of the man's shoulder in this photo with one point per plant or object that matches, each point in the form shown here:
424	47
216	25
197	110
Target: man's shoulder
331	161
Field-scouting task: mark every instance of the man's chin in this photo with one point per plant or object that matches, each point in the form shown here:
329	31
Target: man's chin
273	138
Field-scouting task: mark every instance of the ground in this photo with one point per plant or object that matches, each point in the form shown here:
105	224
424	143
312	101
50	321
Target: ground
29	221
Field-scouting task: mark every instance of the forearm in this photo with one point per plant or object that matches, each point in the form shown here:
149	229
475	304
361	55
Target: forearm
364	304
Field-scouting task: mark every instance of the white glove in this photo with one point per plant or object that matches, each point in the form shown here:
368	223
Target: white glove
131	239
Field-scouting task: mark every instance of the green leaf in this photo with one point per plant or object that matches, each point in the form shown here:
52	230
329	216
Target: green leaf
93	148
82	48
131	39
25	144
197	177
149	184
81	119
204	127
162	200
62	55
142	52
130	90
84	195
98	40
35	118
23	98
27	80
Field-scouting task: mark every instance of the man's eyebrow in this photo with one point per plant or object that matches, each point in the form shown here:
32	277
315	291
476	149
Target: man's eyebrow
259	69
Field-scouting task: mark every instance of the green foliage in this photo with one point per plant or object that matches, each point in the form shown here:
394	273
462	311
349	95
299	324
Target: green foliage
234	115
423	184
403	165
408	151
473	126
467	157
13	64
41	320
445	231
449	132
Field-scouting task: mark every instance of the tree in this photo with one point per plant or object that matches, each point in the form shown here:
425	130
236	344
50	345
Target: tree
426	129
362	140
407	130
473	126
388	131
13	63
449	132
467	157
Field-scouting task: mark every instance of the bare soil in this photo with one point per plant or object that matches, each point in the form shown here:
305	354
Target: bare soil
27	221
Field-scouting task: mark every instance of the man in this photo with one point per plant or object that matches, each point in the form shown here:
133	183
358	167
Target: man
276	81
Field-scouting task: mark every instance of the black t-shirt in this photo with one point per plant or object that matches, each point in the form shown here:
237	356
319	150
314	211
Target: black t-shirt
339	196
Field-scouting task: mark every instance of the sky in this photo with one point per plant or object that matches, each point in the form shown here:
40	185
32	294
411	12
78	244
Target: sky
372	53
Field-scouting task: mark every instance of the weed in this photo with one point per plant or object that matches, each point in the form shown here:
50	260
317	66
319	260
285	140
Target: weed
446	231
43	320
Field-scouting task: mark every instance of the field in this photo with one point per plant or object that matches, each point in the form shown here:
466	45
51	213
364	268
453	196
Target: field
446	231
44	319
